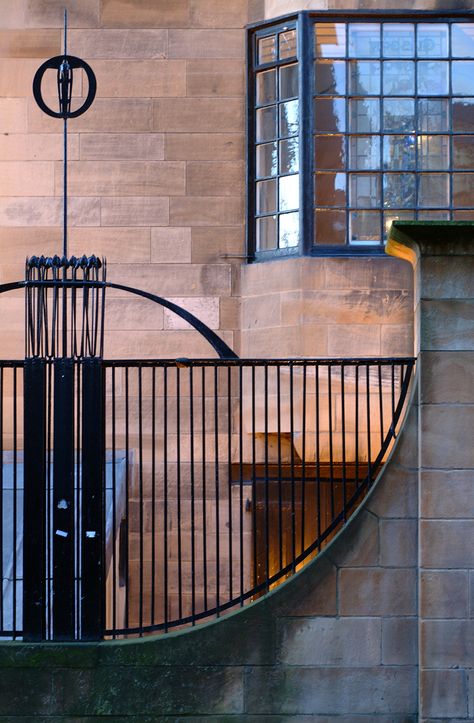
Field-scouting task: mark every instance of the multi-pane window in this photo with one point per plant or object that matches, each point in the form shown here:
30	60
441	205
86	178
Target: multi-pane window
379	124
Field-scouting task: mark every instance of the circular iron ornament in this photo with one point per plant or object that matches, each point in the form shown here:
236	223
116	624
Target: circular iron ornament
55	64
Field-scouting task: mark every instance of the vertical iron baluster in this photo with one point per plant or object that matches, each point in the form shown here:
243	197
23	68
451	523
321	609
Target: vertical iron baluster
267	495
114	511
153	493
392	423
381	405
343	441
254	485
140	494
78	483
50	462
2	622
369	454
292	467
193	523
127	500
165	495
15	501
229	476
217	487
241	487
280	491
303	463
318	451
178	489
331	448
204	501
356	371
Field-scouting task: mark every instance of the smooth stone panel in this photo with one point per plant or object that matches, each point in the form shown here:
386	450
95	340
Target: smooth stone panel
448	277
145	13
117	146
206	211
204	146
194	44
447	643
198	115
22	43
448	377
375	591
134	211
399	641
444	593
447	324
124	178
447	436
444	693
115	44
447	494
447	543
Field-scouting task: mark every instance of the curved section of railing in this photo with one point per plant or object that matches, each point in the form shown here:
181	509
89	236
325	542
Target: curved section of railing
236	473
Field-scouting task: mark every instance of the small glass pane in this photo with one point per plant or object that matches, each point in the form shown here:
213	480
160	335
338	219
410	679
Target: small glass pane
266	87
289	230
266	196
433	153
398	77
330	40
463	189
364	40
399	153
329	152
330	77
463	113
289	81
267	160
364	153
289	156
364	115
432	40
330	189
267	49
364	77
289	118
330	115
398	114
462	40
433	77
463	215
463	152
330	228
433	215
266	233
364	227
266	124
399	190
289	196
433	190
365	190
398	40
463	77
433	115
390	216
287	44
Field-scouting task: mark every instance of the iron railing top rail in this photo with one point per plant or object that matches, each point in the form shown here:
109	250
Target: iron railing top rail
250	362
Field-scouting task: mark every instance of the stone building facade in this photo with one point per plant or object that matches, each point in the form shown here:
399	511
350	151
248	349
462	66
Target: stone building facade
157	179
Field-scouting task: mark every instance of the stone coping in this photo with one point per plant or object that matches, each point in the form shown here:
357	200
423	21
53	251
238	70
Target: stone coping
410	239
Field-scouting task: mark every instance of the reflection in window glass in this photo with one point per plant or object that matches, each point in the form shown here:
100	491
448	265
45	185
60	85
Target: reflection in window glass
433	153
289	230
266	233
396	215
365	190
399	153
364	115
330	77
287	44
266	196
399	77
289	156
463	152
432	40
364	226
364	77
330	189
288	192
267	51
462	40
398	40
329	152
433	215
266	124
329	227
399	190
433	115
330	115
462	77
399	115
364	153
289	81
433	77
289	120
463	189
266	160
463	110
266	87
330	40
364	40
433	190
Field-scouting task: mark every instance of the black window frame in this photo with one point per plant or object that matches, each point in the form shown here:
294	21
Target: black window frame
304	23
